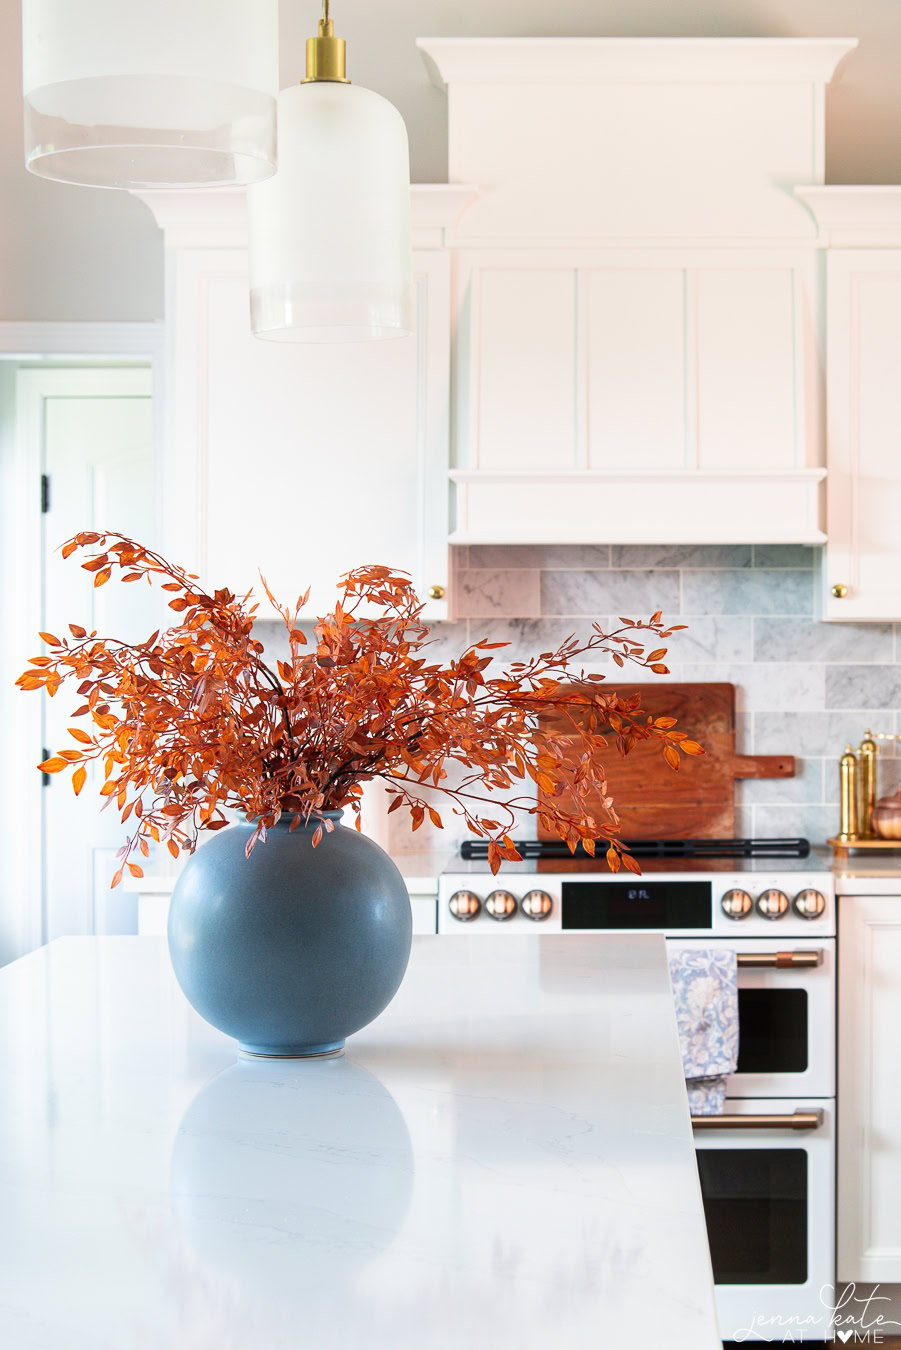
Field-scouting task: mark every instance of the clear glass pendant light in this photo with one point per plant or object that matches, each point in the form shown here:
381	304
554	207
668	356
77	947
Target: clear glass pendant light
330	252
150	93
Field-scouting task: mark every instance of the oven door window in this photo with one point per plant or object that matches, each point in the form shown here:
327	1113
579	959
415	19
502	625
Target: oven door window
755	1203
773	1030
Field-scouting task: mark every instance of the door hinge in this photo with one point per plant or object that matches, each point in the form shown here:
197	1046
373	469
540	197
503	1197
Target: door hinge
45	493
45	777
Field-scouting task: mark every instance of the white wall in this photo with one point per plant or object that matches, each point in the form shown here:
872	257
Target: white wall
79	253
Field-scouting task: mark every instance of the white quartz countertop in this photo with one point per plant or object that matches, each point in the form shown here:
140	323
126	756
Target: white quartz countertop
876	873
503	1159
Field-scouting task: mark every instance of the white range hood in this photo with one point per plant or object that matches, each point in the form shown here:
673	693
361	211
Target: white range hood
638	291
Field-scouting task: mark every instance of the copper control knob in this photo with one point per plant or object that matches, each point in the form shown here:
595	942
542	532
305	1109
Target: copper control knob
537	905
809	904
465	906
772	904
501	905
736	904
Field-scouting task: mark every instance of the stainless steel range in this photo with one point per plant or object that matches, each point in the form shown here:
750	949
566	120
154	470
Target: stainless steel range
767	1165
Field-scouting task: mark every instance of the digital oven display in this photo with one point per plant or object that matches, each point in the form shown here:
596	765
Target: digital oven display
637	904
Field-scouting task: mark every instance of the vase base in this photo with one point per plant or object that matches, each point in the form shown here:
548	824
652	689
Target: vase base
331	1048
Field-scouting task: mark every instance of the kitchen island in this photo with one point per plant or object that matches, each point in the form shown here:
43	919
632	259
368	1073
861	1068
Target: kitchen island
503	1159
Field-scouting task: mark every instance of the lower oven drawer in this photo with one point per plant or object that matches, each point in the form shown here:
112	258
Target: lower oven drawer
769	1201
786	1017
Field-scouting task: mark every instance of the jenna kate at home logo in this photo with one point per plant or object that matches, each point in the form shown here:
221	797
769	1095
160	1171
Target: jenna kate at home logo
849	1317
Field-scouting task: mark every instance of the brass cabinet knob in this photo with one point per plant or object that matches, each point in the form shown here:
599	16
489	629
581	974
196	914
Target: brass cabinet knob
839	590
436	592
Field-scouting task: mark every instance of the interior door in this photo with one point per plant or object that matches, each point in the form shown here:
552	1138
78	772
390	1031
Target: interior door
95	429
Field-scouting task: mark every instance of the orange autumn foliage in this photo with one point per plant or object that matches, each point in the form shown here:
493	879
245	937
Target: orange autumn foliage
193	721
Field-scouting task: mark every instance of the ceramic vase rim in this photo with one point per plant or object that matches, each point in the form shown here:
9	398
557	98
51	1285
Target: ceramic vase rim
287	816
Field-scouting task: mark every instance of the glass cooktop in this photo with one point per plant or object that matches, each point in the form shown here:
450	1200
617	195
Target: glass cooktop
818	860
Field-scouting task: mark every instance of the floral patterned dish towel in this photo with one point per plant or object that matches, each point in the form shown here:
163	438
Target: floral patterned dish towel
705	989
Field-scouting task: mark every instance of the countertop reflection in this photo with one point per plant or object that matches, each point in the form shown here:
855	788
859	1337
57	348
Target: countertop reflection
502	1159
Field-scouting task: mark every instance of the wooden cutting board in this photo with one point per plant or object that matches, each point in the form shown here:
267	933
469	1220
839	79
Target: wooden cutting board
698	800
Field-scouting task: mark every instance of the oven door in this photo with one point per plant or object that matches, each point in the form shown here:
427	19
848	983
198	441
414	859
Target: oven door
786	1016
769	1192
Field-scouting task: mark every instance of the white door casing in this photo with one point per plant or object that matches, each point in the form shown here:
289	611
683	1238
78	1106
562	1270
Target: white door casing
24	345
94	431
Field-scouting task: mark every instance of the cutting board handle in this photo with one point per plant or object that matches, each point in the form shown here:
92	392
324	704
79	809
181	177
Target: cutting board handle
763	766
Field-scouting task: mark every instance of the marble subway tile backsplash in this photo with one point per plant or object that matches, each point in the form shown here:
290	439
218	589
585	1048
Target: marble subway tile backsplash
803	687
758	591
483	592
861	686
612	592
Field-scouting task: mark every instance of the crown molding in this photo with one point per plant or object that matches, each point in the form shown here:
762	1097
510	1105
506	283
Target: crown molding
217	218
860	216
495	61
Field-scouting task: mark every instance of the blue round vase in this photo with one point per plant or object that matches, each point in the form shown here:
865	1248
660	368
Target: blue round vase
294	948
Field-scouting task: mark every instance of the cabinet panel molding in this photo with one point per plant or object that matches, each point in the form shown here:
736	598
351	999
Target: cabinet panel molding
652	506
746	369
524	354
635	367
703	364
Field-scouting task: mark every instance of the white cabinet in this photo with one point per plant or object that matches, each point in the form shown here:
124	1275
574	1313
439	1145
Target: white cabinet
300	461
861	230
639	396
863	551
638	298
869	1089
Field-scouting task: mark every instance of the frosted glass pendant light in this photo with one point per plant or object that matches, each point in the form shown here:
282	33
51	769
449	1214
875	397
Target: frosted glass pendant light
150	93
330	252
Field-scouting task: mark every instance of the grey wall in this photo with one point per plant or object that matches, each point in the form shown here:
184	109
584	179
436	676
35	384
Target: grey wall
79	253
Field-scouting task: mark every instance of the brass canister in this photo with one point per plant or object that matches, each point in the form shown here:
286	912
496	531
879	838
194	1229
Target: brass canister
848	797
867	753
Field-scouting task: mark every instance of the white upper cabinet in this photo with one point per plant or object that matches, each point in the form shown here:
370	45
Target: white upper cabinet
861	229
300	461
637	289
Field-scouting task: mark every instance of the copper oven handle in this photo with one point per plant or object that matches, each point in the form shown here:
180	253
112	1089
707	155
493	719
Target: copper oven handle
798	1120
780	960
